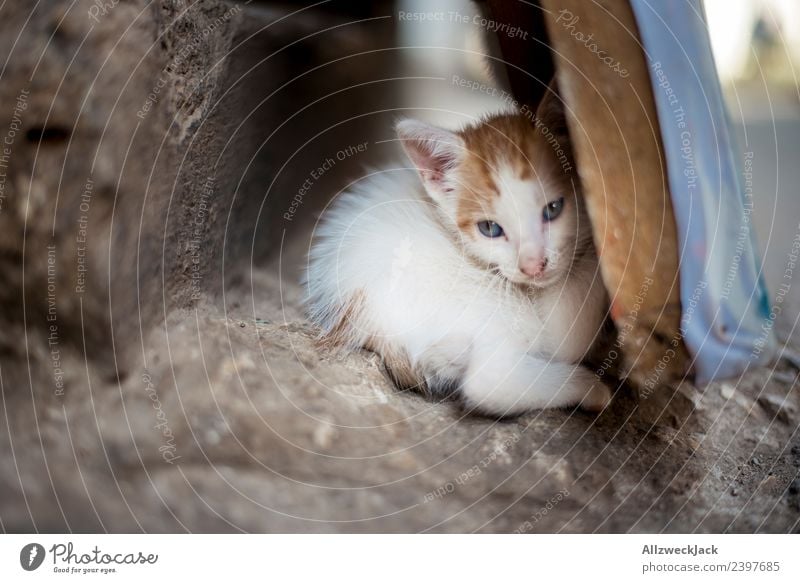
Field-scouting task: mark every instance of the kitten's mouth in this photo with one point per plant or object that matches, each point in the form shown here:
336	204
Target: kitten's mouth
538	281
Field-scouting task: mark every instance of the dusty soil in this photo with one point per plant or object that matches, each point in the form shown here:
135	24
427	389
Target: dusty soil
181	390
263	432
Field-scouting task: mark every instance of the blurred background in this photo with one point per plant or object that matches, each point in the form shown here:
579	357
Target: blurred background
183	133
756	46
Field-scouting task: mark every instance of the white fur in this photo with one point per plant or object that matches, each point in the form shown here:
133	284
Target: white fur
510	348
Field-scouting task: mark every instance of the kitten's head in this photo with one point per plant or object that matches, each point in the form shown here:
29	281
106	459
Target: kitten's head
506	185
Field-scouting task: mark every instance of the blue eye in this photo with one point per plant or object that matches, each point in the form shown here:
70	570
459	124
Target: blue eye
490	229
552	209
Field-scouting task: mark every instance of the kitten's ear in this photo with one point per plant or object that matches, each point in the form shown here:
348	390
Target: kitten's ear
434	151
551	111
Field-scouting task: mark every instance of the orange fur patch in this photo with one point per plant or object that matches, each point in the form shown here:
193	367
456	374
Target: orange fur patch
502	141
398	365
395	358
341	332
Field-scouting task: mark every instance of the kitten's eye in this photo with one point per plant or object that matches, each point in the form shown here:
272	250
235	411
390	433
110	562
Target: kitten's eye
490	229
552	209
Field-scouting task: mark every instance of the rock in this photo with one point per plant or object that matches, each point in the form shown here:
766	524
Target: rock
727	391
741	399
777	407
172	415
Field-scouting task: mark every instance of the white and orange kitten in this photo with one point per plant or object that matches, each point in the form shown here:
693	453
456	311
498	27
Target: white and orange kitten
473	277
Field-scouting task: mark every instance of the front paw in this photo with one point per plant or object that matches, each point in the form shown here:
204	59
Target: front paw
597	397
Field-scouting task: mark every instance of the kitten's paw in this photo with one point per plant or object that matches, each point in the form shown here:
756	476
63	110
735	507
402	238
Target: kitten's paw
597	398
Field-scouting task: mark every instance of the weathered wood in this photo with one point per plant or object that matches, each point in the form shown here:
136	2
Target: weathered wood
603	78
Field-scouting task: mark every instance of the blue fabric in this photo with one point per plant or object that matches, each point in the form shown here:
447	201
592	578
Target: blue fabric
726	314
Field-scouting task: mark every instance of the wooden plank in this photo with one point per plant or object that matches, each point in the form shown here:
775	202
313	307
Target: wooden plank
603	77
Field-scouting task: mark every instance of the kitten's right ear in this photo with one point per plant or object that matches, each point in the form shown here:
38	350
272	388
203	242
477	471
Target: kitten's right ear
434	151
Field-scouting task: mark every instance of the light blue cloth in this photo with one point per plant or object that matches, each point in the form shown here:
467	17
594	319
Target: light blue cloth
726	314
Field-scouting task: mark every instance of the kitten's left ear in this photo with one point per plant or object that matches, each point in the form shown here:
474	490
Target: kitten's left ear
551	111
434	151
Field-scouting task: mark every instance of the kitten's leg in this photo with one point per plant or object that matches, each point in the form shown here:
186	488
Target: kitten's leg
501	382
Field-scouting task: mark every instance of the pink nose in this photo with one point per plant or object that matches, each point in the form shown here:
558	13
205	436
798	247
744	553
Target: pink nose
533	267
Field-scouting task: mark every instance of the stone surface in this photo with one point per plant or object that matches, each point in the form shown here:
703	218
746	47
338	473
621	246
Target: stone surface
194	397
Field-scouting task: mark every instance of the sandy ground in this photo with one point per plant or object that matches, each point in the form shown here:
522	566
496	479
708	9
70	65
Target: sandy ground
219	413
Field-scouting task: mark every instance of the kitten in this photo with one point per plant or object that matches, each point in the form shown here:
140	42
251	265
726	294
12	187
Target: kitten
475	278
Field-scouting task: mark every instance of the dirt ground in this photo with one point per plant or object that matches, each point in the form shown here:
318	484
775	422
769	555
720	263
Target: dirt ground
178	388
262	432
